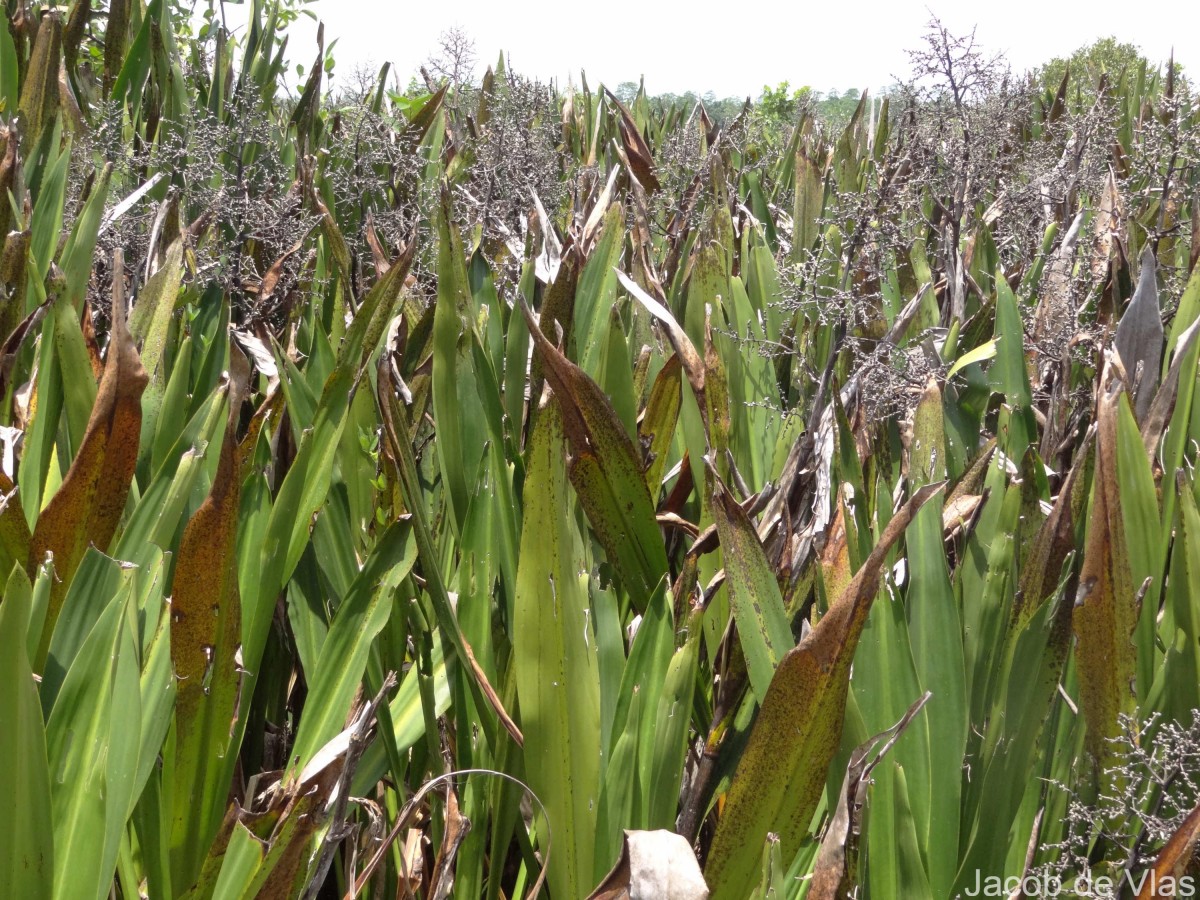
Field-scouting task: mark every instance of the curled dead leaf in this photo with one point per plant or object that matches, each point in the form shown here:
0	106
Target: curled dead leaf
653	865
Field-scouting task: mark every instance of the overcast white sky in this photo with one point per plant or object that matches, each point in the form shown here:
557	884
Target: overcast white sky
733	49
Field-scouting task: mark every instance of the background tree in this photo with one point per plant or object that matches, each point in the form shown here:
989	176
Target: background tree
454	59
1107	57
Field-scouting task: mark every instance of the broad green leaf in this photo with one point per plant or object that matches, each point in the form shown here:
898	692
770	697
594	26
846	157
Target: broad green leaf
450	317
617	791
307	482
98	579
150	317
762	621
9	83
395	422
671	730
360	617
80	248
93	752
809	203
980	354
1008	375
1141	525
596	292
935	629
555	661
27	852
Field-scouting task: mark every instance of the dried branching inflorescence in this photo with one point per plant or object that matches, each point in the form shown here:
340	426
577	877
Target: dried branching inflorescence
512	153
222	173
376	177
1151	790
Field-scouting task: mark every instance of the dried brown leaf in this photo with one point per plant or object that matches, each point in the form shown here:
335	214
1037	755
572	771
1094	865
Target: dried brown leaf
88	505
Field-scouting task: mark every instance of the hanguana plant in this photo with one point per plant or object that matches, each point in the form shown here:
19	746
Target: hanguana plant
411	498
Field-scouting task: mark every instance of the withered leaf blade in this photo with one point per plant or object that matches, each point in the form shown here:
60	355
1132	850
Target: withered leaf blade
1154	423
641	159
1194	251
39	93
656	427
458	827
693	365
1053	542
10	169
14	529
1105	613
782	772
206	628
88	505
1139	335
1055	312
1107	228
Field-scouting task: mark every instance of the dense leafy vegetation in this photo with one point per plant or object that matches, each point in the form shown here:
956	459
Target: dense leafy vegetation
412	493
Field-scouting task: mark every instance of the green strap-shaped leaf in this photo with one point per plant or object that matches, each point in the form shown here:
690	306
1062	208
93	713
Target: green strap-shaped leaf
758	610
307	482
93	739
1008	375
555	660
27	851
1140	520
606	471
360	617
450	317
935	629
982	353
80	248
671	729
